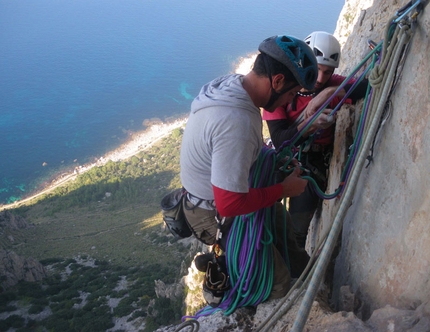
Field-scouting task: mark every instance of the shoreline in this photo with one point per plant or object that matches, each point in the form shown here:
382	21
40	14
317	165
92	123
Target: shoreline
138	142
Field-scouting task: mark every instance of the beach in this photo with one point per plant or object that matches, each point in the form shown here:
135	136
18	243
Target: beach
141	141
138	142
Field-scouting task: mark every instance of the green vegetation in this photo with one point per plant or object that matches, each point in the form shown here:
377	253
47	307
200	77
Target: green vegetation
111	214
79	302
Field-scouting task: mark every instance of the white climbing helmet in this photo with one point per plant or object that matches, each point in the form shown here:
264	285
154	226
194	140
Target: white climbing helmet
325	47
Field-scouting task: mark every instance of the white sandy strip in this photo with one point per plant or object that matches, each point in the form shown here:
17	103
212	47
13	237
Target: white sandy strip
142	141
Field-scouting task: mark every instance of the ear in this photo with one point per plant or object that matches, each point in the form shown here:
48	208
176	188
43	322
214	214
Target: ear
278	81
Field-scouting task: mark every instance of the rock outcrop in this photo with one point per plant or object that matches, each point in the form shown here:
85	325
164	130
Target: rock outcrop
171	291
14	268
11	221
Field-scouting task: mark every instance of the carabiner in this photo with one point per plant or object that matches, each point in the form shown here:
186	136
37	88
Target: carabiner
406	9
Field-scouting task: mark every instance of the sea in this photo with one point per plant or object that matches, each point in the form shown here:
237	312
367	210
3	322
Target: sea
79	77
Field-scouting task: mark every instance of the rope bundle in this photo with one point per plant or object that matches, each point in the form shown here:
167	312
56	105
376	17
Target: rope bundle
249	252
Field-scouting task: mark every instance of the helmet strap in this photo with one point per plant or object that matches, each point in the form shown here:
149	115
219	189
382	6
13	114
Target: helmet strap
274	96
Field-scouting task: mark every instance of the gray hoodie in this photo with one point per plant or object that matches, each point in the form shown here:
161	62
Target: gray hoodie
222	138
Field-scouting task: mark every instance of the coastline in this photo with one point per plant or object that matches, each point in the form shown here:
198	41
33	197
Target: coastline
155	129
141	141
138	142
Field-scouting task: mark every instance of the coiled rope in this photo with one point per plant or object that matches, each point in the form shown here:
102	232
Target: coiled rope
192	323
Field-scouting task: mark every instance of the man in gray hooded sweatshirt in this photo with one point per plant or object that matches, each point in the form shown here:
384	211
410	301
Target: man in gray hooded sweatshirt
223	138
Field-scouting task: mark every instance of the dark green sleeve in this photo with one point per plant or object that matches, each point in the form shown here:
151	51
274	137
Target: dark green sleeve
359	91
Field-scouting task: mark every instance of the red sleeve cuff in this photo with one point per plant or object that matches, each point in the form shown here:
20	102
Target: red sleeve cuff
230	204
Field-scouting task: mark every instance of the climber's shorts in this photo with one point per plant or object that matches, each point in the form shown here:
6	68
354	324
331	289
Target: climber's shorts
203	224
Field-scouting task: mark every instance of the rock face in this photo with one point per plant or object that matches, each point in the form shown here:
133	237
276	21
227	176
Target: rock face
384	256
14	268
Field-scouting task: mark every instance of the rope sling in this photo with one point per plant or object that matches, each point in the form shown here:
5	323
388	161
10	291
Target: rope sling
249	253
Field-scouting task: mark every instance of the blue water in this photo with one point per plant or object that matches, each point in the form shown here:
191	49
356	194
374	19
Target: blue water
76	77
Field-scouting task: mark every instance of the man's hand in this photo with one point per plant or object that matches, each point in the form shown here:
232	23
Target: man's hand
293	184
315	104
323	121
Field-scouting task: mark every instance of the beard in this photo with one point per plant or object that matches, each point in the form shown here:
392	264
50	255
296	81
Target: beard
318	87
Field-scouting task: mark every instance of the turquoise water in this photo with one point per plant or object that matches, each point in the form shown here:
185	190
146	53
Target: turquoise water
77	77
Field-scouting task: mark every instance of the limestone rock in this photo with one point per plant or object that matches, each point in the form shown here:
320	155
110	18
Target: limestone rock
172	291
14	268
9	220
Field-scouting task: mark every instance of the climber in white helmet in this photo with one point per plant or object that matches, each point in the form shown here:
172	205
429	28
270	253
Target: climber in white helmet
288	119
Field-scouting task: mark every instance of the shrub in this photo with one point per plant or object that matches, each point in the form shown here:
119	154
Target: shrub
176	133
4	326
144	300
14	321
50	261
35	309
7	308
124	308
41	301
150	324
165	313
54	323
136	314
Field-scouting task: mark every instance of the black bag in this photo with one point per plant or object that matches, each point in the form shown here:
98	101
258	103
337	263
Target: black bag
173	213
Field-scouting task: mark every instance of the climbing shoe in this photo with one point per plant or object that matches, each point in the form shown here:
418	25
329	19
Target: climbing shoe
201	261
215	284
